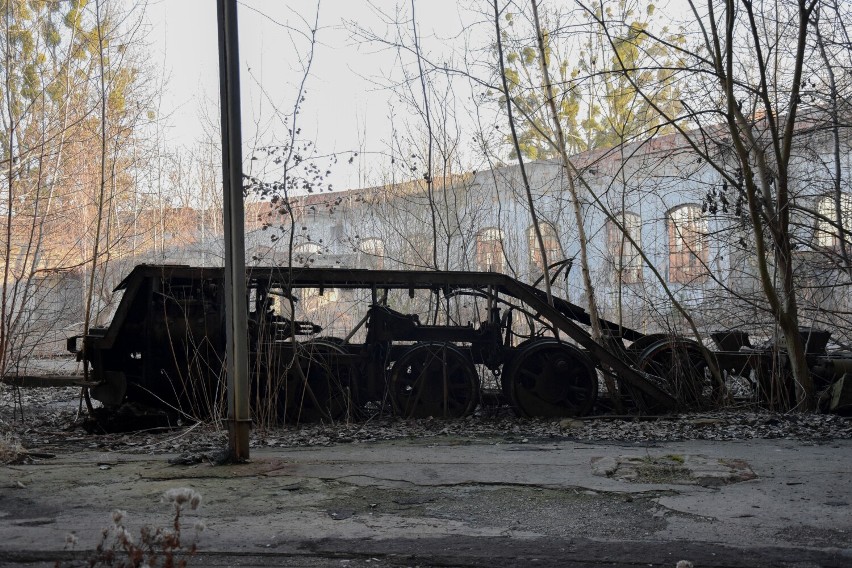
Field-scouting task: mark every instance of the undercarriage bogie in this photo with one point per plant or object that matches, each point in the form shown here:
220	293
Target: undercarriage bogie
684	368
338	344
550	378
318	385
434	379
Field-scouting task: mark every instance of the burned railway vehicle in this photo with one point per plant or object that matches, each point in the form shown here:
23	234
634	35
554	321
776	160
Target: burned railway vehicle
483	337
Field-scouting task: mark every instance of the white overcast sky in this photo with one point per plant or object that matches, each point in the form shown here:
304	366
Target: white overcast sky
345	108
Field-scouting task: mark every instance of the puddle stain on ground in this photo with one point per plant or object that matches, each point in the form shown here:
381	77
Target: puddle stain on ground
265	467
674	469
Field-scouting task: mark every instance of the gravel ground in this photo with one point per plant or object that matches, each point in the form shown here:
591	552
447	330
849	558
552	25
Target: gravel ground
49	420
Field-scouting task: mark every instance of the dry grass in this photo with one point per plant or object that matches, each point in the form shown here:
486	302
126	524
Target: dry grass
155	546
11	450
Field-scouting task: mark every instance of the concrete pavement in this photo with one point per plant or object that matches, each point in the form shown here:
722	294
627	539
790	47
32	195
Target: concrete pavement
456	502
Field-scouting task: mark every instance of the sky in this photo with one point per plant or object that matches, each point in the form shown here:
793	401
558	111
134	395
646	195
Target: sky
347	106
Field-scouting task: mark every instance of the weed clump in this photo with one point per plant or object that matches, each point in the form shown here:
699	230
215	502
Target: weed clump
156	546
11	450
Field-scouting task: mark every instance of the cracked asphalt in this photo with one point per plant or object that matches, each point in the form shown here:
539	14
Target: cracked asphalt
455	502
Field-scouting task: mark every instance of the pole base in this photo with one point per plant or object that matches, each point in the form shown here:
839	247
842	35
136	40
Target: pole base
238	440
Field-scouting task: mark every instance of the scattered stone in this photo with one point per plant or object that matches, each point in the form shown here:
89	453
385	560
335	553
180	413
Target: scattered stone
185	459
52	421
703	422
341	514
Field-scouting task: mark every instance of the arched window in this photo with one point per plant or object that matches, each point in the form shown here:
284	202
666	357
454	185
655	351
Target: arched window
623	254
371	253
312	299
829	231
551	246
260	254
305	254
489	250
688	250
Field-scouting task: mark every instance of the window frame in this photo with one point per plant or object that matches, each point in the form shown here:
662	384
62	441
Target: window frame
489	246
552	246
827	235
624	256
688	244
371	253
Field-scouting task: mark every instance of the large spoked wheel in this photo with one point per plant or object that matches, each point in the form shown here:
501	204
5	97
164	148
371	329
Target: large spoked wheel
551	379
434	379
681	365
637	347
318	386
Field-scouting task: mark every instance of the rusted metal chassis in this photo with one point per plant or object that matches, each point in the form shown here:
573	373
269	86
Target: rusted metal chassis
142	344
562	315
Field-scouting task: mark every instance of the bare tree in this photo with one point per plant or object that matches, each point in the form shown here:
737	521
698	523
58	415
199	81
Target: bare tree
743	84
50	121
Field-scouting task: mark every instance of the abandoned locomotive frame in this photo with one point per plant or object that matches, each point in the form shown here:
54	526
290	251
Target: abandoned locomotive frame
476	337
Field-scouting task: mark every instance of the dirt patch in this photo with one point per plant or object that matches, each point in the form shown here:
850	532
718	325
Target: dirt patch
21	511
511	509
805	535
674	469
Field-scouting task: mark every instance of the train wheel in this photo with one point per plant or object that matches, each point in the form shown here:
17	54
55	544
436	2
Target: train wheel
637	347
319	388
434	379
551	379
681	365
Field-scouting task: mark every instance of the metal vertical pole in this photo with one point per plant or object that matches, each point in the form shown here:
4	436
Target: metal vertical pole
236	332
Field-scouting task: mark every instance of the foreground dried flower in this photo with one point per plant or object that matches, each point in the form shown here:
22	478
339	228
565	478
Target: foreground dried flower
157	546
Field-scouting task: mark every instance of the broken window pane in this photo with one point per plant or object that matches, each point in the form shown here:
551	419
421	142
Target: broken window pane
828	229
551	247
623	254
688	250
489	250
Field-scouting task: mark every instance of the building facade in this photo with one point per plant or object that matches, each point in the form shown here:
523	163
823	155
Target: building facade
661	225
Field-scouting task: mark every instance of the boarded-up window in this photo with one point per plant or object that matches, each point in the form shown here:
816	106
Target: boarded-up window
551	246
623	254
371	253
489	250
829	231
688	250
